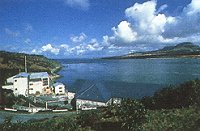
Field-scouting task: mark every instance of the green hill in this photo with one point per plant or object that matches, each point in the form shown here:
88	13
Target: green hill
12	63
185	49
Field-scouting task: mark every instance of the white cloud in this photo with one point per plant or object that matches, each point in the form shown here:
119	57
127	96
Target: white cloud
145	25
124	32
49	48
83	4
12	33
187	24
65	46
68	50
28	28
163	7
193	7
147	19
78	39
34	51
94	45
27	41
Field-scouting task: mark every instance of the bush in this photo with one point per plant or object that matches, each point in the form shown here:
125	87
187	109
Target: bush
187	119
132	114
89	118
182	96
54	124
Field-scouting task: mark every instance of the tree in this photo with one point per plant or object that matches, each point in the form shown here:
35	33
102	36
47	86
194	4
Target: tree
132	114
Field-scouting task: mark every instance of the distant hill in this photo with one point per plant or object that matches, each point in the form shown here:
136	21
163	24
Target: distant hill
12	63
186	49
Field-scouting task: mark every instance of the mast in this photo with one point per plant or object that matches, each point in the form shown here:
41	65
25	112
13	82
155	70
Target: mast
25	68
25	65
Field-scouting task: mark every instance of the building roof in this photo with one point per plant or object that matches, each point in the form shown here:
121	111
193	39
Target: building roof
131	90
36	75
104	90
22	74
94	91
57	84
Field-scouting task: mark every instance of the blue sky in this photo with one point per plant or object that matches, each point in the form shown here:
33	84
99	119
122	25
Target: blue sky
96	28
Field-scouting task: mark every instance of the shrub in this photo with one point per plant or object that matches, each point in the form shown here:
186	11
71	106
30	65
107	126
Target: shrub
182	96
89	118
132	114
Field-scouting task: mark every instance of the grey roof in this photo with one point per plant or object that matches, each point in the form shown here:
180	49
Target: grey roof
36	75
57	84
94	91
104	90
131	90
22	74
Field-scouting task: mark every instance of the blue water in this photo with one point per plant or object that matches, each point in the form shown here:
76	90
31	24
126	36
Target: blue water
155	71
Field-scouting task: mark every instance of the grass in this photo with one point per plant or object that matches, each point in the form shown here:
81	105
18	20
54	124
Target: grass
185	119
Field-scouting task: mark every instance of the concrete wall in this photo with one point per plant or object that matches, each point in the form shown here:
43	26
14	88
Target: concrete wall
60	89
81	103
35	86
11	87
38	86
20	86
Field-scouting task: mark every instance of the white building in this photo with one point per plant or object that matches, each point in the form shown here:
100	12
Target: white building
25	83
18	83
38	81
94	94
59	88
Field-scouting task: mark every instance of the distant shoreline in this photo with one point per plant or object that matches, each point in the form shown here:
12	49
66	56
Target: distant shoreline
152	57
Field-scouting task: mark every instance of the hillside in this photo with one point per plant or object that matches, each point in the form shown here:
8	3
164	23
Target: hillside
13	63
185	49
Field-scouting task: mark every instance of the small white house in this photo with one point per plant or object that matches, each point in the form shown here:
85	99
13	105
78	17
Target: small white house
59	88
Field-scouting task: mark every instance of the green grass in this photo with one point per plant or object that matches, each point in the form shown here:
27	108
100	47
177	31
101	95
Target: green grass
186	119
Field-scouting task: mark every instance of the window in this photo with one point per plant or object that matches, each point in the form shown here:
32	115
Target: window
31	84
16	89
15	80
60	87
30	88
45	82
35	80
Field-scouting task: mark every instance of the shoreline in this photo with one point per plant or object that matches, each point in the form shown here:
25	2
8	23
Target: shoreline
54	73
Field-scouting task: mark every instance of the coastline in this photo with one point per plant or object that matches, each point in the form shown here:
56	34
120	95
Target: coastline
54	73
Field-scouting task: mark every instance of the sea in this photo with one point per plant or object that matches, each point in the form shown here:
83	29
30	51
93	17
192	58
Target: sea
168	71
146	71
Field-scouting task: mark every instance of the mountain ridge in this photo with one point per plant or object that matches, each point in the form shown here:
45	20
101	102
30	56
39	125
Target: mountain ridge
185	49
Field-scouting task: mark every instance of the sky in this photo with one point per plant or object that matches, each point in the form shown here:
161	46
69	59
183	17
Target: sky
96	28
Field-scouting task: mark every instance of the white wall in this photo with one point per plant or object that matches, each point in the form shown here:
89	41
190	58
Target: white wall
11	87
20	86
10	79
35	86
59	89
80	103
38	86
70	95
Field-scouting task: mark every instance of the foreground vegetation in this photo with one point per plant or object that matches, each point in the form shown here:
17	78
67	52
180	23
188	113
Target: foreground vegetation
171	108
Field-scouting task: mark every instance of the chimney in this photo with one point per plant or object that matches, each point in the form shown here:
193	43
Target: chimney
25	65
